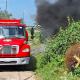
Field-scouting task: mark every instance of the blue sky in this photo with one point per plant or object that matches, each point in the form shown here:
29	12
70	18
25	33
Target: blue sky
18	8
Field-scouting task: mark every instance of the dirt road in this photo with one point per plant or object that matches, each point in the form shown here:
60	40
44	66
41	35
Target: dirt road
15	73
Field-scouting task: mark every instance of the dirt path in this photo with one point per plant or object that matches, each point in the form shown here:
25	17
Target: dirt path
14	73
28	75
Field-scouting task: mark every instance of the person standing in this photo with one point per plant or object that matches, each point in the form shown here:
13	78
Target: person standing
32	33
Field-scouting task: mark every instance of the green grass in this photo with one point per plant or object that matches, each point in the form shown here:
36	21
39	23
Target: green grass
54	70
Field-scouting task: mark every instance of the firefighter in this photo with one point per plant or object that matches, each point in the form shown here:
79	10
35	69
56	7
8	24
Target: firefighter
32	33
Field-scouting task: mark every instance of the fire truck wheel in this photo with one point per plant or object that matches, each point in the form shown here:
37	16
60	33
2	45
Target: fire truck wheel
32	64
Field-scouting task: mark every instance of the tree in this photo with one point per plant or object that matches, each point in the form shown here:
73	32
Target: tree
5	15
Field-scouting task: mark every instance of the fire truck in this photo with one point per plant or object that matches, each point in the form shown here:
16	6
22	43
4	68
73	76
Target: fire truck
14	48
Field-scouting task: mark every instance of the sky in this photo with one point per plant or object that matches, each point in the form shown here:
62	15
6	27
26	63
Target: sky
21	9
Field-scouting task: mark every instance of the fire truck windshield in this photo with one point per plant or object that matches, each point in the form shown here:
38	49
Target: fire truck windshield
11	32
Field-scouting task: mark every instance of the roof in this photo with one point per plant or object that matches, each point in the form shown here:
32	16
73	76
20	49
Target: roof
11	22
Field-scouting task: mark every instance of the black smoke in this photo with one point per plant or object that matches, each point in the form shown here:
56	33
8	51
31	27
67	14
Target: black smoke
53	15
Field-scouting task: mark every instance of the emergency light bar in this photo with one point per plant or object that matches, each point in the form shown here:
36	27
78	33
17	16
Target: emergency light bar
9	21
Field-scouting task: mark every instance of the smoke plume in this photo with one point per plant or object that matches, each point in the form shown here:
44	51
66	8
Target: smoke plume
51	14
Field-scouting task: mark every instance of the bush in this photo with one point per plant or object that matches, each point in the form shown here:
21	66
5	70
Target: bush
51	63
77	72
59	44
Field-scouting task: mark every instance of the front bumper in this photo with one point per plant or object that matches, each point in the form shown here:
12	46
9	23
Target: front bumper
14	61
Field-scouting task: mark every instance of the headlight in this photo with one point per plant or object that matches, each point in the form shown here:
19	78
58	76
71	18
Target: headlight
26	50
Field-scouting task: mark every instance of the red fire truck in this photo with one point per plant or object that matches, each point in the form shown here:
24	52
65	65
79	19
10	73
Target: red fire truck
14	49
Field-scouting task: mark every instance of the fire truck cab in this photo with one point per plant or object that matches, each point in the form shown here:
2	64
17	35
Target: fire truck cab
14	49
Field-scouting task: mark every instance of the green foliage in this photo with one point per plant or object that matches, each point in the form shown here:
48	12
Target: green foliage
59	44
77	72
51	64
38	57
55	70
5	15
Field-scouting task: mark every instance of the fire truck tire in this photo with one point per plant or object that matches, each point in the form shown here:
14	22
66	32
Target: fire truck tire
32	64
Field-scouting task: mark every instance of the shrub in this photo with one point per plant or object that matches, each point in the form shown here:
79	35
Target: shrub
60	42
51	62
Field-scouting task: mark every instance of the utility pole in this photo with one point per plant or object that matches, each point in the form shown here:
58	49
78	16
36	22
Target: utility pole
23	15
22	18
6	5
